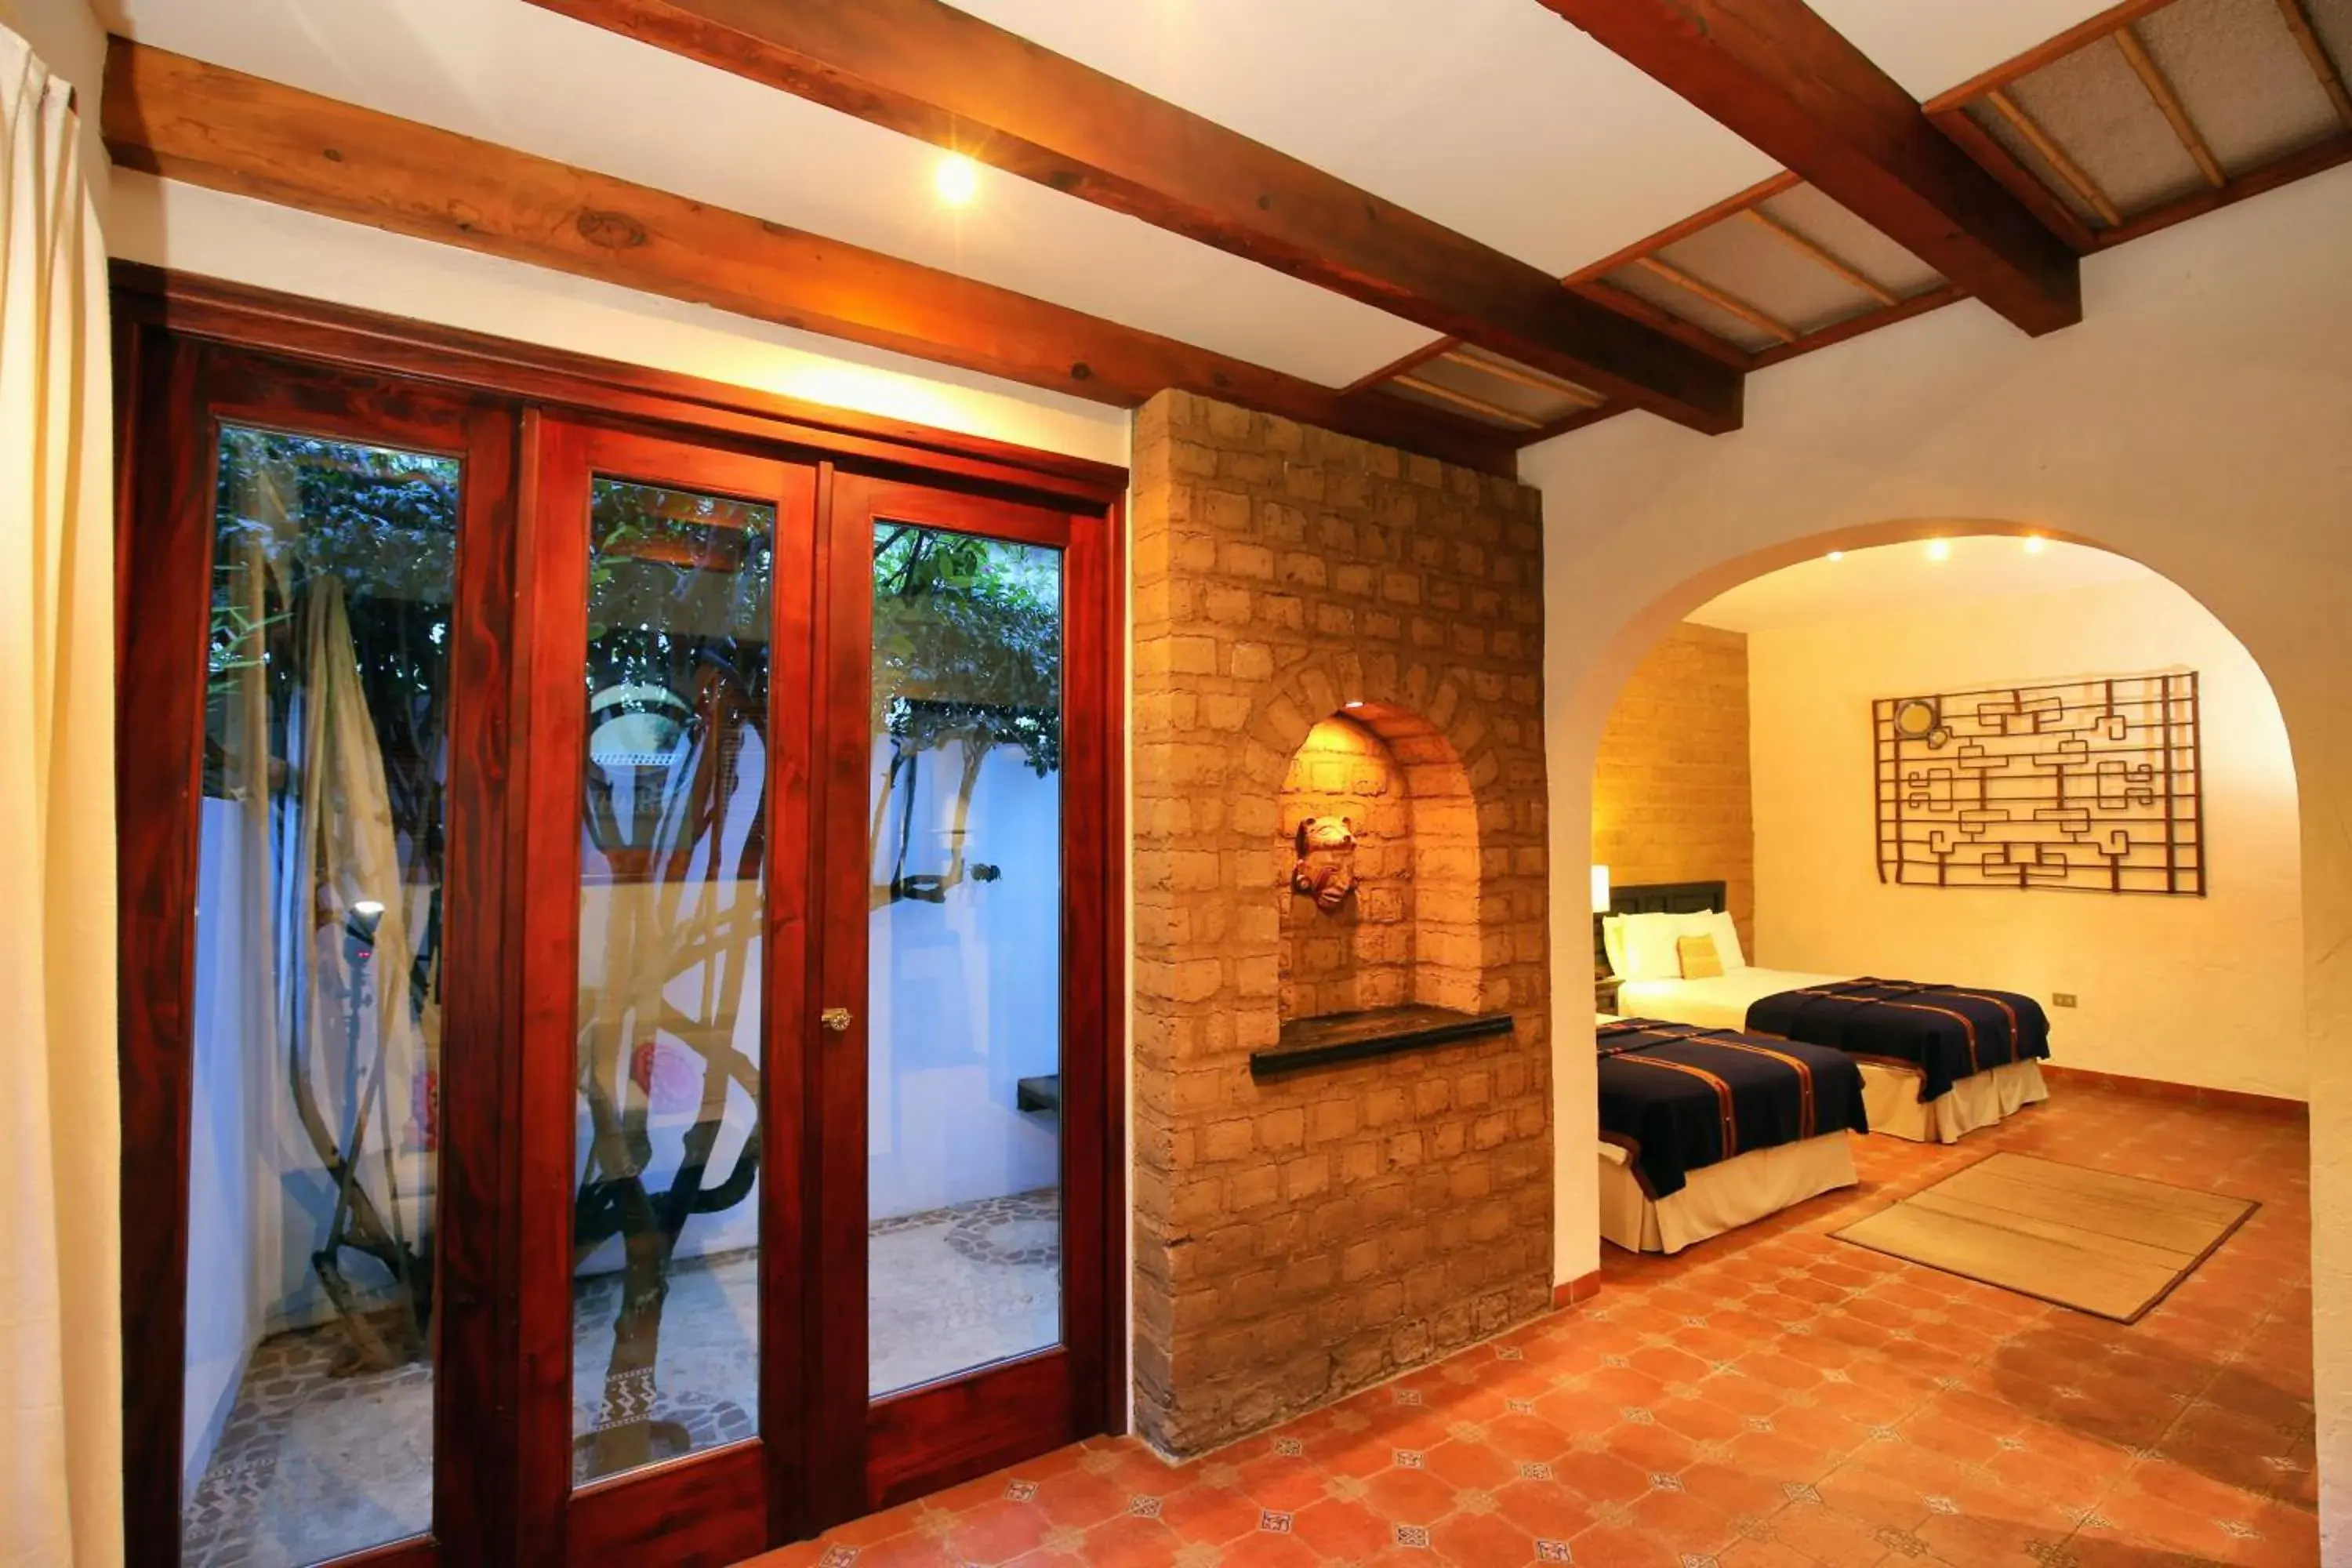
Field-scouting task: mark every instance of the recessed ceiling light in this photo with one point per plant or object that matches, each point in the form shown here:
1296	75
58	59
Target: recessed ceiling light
1939	550
2033	543
957	180
1837	554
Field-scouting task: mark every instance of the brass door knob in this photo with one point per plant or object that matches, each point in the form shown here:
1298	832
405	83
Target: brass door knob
835	1018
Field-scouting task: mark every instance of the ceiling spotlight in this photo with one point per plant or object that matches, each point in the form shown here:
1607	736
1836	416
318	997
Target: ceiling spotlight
1939	550
957	180
1837	555
2033	543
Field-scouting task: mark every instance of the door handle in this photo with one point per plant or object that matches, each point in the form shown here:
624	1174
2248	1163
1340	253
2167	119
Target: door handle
835	1018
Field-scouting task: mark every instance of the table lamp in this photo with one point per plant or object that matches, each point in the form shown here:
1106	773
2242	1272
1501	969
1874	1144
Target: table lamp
1599	907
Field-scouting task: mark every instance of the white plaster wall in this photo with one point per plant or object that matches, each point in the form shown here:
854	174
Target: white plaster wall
2199	419
228	1171
965	996
247	242
2152	973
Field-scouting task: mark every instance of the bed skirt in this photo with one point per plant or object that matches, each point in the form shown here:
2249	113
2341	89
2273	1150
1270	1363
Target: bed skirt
1717	1198
1891	1095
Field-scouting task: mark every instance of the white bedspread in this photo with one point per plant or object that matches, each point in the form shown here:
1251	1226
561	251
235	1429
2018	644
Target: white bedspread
1718	1004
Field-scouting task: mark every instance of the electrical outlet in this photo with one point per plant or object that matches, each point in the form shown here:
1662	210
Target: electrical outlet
2063	998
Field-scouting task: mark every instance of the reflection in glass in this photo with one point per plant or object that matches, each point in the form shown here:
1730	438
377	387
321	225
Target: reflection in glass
307	1409
674	830
964	993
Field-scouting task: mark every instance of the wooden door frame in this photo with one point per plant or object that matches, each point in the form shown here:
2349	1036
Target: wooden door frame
165	324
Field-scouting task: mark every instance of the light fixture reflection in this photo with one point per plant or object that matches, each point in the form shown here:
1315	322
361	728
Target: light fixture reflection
2035	543
1837	555
957	180
1939	550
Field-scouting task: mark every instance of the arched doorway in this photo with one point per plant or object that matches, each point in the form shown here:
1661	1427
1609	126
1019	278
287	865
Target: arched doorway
1580	714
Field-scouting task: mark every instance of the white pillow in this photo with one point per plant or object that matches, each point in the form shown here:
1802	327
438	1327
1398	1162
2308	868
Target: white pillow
1613	943
1649	947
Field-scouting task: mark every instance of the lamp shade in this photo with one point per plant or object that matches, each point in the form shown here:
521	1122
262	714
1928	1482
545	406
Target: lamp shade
1600	889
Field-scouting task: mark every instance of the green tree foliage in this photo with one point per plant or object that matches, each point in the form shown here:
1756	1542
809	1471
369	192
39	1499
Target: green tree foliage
968	643
290	510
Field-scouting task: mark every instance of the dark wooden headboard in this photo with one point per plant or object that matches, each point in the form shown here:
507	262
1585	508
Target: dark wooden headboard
1654	899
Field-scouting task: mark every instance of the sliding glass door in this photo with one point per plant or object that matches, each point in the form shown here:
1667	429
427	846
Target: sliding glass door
616	983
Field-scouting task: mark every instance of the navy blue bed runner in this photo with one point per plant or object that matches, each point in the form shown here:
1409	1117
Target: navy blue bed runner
1679	1099
1946	1032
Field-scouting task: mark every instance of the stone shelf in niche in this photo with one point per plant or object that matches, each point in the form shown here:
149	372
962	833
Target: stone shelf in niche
1378	1032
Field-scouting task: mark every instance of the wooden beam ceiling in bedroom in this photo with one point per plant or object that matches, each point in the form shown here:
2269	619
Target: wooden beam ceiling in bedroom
206	125
928	71
1792	85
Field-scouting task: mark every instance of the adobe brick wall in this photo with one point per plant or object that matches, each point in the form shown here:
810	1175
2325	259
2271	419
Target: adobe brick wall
1298	1238
1671	798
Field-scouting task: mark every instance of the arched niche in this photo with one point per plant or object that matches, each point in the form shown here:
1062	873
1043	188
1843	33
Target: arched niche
1407	931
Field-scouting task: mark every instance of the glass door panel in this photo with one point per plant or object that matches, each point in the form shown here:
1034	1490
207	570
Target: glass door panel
308	1405
964	955
672	916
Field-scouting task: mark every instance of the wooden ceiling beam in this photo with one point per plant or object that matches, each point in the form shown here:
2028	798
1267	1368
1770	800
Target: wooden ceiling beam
1533	380
1820	258
928	71
210	126
1732	206
1617	296
1995	159
2077	178
1792	86
1479	406
2176	113
1721	299
2331	80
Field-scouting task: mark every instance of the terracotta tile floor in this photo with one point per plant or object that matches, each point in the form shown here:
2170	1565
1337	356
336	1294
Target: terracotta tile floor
1771	1397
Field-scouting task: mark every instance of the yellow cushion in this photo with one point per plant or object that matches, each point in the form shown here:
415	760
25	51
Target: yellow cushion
1699	959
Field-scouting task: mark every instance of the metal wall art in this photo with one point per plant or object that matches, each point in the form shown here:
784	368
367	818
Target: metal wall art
2076	786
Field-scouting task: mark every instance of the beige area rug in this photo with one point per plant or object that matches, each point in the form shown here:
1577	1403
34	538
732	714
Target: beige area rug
2112	1245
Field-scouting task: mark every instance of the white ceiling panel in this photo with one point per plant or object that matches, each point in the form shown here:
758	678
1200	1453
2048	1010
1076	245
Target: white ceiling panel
1492	117
1932	46
525	77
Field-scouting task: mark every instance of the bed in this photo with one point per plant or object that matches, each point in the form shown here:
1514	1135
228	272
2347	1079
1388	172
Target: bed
1938	1061
1703	1131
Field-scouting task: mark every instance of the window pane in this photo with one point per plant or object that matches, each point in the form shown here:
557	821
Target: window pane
666	1298
964	995
308	1413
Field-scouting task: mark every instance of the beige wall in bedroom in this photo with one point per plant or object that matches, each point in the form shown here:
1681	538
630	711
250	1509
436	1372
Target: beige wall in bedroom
2205	991
1670	789
2198	419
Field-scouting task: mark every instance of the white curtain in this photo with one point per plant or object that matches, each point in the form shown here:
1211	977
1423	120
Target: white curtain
60	1403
